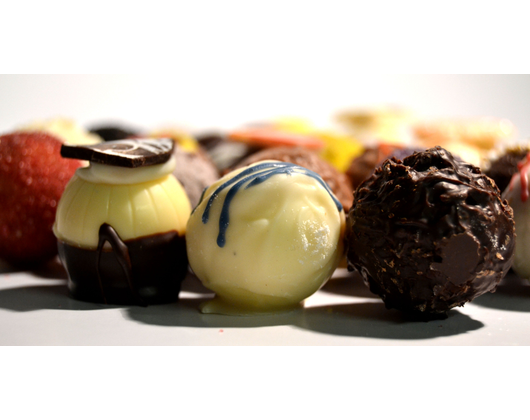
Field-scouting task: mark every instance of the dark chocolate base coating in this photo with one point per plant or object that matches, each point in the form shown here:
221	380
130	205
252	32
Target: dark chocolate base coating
157	266
429	233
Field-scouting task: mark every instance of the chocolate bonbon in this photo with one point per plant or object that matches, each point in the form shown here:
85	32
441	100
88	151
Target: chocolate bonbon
33	176
264	238
504	165
364	165
518	195
121	229
430	233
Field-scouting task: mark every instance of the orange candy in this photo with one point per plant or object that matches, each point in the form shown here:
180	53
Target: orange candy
272	137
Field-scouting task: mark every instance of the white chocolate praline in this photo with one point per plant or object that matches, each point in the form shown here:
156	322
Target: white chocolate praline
136	202
514	193
283	241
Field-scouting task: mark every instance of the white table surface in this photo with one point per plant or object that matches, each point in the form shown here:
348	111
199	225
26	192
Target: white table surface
35	309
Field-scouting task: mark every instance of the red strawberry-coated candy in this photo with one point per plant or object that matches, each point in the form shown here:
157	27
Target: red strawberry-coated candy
33	176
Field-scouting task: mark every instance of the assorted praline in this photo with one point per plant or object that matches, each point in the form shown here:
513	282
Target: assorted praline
121	224
430	233
426	231
265	237
518	195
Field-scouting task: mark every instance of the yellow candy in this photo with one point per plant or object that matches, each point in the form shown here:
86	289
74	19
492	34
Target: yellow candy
66	130
294	125
133	210
184	140
340	150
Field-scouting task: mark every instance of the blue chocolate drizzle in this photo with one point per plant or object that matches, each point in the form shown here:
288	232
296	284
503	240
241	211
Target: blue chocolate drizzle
255	175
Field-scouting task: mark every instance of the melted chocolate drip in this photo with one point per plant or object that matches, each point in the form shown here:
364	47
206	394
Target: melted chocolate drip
108	235
141	271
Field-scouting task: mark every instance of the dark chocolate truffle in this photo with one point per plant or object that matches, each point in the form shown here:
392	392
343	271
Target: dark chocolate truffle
430	233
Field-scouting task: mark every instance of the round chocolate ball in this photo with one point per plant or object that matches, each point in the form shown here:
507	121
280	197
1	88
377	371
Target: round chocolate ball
429	233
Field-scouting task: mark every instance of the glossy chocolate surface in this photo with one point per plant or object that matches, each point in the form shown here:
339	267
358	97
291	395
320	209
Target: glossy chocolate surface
142	271
131	153
430	233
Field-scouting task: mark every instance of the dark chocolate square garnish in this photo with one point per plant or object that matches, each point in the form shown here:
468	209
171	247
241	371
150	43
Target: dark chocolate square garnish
130	153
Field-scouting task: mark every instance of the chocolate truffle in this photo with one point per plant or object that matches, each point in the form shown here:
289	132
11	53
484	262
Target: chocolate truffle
363	166
195	171
517	193
430	233
121	224
223	152
264	238
337	181
503	167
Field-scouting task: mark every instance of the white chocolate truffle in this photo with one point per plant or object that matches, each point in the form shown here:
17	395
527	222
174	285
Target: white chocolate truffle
518	196
264	238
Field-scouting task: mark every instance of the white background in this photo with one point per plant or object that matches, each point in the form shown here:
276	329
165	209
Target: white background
35	308
224	100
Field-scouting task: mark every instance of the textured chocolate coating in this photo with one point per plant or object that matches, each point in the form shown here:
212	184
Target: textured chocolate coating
337	181
126	153
430	233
